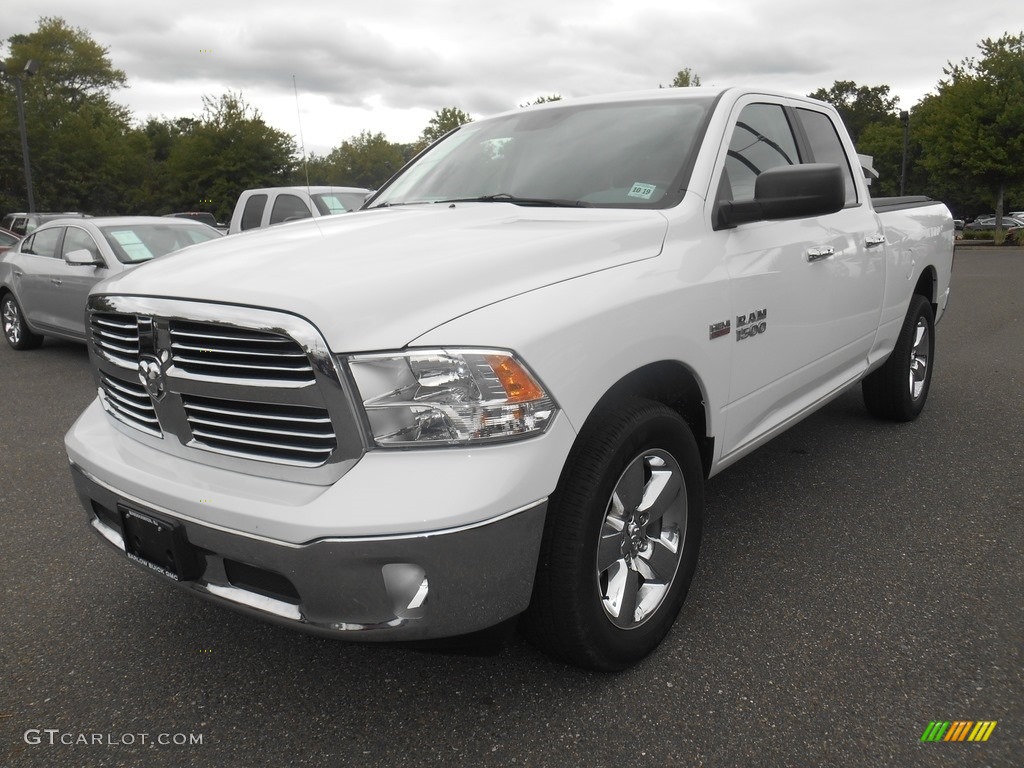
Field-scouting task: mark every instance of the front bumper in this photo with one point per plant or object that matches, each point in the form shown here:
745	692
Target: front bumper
419	586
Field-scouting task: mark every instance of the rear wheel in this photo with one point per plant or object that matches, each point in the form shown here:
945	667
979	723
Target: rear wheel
898	390
621	540
16	331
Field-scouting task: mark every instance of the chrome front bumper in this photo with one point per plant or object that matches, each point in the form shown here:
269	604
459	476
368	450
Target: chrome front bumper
413	587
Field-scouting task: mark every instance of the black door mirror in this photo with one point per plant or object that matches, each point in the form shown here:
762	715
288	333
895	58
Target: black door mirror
788	192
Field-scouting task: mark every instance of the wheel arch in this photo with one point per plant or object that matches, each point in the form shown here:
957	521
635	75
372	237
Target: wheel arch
927	286
674	385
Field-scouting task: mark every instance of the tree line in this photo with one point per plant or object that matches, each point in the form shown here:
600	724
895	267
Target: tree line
963	144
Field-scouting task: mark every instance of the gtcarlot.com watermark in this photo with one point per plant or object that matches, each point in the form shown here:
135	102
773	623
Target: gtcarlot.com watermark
53	737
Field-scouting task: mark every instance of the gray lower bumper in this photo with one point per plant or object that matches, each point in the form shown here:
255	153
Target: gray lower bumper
420	586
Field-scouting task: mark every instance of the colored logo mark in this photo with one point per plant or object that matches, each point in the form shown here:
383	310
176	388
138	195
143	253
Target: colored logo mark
958	730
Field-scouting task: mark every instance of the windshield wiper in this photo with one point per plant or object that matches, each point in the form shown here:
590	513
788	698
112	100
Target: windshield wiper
504	197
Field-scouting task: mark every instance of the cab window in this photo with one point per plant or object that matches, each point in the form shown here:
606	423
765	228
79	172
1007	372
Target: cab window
252	214
762	139
288	208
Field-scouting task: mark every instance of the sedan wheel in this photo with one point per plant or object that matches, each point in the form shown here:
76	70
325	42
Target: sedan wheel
15	330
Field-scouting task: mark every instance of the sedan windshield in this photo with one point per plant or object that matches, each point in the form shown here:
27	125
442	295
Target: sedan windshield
622	155
132	243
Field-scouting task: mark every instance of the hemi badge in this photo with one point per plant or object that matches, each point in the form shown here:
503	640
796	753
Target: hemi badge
719	329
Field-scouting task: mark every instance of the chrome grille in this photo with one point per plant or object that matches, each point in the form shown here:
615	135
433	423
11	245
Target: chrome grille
211	349
129	402
116	336
238	388
291	434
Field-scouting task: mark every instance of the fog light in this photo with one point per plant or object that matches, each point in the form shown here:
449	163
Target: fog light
407	587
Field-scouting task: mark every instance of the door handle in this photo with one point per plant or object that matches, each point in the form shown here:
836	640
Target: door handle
55	281
821	252
18	273
872	240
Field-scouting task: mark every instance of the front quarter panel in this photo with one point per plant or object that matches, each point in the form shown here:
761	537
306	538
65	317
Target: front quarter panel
584	335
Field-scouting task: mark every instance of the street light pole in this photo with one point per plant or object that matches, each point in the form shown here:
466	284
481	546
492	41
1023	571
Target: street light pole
31	67
905	119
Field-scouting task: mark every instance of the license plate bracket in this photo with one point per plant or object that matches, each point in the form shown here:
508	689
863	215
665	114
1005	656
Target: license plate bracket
159	544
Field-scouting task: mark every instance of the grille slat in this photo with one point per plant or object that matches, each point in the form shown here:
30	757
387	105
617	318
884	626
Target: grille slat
213	366
255	353
262	430
299	419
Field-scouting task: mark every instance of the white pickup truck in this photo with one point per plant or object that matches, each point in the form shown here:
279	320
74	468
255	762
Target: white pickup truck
498	389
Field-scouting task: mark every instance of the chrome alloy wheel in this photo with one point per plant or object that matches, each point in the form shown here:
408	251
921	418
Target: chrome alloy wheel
12	321
642	539
919	359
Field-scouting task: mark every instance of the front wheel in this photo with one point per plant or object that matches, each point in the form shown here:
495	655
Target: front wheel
898	390
621	539
16	331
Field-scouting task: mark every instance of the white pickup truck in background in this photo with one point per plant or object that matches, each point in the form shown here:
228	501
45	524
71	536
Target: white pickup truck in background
259	208
498	389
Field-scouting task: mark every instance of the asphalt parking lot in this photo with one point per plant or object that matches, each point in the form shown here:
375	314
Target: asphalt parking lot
858	580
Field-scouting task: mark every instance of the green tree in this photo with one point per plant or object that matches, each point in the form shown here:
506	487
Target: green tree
685	78
443	121
883	141
972	129
860	105
366	160
227	149
78	136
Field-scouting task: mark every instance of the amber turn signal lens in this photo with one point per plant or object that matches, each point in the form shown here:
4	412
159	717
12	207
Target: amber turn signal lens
518	384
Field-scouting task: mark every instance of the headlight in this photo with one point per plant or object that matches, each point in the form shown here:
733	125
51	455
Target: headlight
449	397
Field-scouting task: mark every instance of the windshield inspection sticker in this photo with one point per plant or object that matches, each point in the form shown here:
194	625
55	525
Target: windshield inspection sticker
641	190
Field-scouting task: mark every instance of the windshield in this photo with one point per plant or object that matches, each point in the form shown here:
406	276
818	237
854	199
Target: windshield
621	155
132	243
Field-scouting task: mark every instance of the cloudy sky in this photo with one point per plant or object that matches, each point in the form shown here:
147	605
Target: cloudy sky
388	65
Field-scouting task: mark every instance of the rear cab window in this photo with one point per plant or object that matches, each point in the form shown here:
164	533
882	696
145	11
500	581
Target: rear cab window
252	214
826	146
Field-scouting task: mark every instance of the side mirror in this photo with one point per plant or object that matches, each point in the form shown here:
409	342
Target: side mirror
83	258
788	192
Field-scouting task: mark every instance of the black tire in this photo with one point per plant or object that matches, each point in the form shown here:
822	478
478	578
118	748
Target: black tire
16	330
581	606
898	390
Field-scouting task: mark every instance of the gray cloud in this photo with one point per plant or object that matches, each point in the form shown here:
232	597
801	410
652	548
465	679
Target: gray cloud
375	63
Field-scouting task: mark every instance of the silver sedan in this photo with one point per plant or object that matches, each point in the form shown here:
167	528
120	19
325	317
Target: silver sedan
45	279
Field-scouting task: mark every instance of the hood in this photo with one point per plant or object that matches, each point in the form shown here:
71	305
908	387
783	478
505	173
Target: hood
377	279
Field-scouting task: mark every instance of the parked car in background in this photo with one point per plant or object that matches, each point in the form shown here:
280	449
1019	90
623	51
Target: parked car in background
24	223
202	216
46	278
258	208
7	239
989	222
